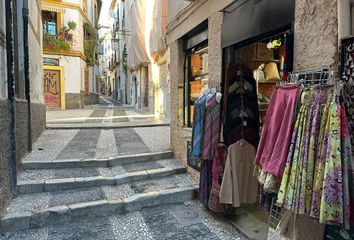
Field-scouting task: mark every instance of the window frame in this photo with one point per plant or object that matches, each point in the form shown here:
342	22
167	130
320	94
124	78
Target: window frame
188	78
57	22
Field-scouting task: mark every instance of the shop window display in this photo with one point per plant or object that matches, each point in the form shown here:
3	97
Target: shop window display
196	81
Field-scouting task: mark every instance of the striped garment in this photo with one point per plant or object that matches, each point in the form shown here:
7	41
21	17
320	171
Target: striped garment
211	132
197	130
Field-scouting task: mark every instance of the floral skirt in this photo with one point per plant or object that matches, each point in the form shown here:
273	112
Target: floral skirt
315	179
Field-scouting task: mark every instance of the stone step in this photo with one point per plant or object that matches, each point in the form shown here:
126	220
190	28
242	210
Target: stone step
59	184
37	201
110	162
67	213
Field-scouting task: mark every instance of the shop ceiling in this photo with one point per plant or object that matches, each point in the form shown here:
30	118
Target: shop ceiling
246	19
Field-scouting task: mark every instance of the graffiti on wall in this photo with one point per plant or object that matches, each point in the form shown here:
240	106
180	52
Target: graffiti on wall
51	81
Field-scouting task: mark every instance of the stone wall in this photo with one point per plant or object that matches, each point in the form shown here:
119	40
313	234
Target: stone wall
179	134
38	120
5	153
315	34
215	50
21	118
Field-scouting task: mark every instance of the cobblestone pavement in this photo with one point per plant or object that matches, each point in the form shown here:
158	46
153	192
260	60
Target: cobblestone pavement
99	143
144	182
108	113
177	221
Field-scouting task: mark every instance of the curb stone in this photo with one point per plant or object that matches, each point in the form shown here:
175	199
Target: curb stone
51	185
110	162
65	213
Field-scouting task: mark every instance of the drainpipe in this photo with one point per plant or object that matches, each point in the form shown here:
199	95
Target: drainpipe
25	13
11	92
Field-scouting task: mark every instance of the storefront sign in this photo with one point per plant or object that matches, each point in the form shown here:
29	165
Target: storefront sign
192	161
51	61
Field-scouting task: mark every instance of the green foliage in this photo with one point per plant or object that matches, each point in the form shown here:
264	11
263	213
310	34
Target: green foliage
90	32
90	41
63	40
71	25
90	50
62	43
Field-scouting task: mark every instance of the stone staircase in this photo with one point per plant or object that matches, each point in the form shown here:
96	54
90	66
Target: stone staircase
61	191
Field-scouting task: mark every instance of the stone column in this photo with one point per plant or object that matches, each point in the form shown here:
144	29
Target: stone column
315	34
215	50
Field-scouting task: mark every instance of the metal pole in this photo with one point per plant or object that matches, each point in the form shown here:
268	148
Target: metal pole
25	13
11	92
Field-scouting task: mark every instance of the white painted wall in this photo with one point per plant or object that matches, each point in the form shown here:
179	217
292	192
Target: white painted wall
74	15
72	72
35	51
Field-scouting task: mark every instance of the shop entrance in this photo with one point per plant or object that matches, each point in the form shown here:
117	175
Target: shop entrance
258	65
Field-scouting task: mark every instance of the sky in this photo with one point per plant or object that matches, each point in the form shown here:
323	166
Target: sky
105	19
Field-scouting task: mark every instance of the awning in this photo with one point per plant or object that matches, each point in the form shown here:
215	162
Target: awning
49	8
135	25
158	43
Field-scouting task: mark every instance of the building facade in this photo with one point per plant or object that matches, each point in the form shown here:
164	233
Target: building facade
70	61
106	61
215	30
22	108
145	55
113	67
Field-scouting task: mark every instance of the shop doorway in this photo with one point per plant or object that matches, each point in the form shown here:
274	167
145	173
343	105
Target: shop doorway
134	91
53	87
266	59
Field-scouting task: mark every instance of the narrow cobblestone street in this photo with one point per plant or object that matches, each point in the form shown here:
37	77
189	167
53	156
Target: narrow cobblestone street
112	183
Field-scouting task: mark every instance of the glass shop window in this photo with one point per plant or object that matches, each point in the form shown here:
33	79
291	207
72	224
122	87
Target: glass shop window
50	24
196	79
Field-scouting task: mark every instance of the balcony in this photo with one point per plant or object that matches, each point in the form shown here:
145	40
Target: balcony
114	61
116	27
58	41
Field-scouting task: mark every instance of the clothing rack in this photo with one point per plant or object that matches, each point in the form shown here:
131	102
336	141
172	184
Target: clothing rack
313	77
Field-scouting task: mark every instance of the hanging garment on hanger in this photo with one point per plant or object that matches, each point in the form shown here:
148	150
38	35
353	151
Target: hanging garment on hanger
198	123
276	134
316	178
218	171
303	151
211	130
239	185
348	169
205	181
240	96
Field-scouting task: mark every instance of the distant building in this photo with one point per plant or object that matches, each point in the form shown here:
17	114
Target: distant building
69	53
147	61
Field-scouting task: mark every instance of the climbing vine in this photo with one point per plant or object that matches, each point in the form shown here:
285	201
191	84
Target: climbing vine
90	40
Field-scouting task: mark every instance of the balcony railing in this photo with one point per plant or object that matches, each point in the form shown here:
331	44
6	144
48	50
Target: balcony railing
114	61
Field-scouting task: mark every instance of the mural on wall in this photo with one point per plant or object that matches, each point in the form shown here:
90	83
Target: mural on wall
51	81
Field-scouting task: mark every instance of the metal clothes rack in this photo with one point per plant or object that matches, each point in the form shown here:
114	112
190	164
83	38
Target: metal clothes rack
313	77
